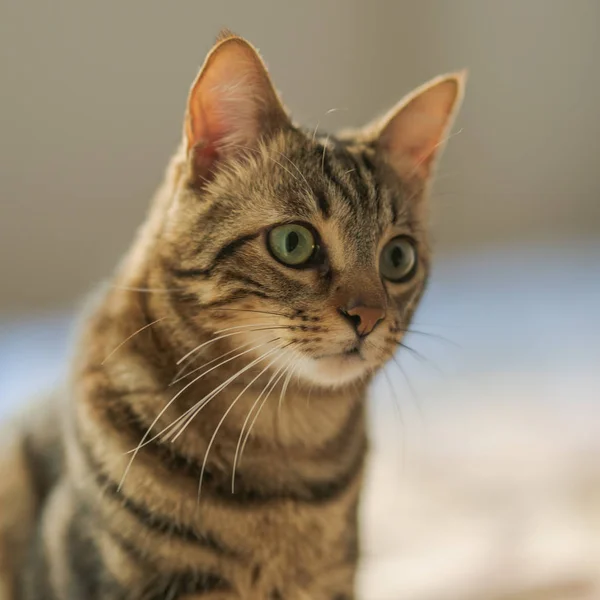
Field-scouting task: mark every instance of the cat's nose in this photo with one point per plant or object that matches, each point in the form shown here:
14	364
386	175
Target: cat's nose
363	318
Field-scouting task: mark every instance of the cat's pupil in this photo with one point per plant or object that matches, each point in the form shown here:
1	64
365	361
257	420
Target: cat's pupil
291	241
397	256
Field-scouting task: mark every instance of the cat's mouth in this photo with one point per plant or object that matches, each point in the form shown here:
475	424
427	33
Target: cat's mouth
353	352
348	363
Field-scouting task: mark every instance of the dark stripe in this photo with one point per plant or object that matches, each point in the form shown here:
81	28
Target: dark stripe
45	466
88	576
362	189
323	203
179	295
232	247
152	521
286	286
256	571
34	579
226	251
243	279
217	482
346	191
327	277
127	546
189	273
246	493
370	168
185	583
313	492
217	479
170	585
368	163
394	210
234	296
157	523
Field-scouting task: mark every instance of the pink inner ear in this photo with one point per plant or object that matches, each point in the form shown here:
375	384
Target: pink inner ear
204	125
414	133
232	102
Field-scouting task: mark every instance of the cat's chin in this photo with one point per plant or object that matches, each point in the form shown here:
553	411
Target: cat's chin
333	371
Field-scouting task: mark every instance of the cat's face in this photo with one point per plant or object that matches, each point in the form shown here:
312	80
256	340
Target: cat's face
309	250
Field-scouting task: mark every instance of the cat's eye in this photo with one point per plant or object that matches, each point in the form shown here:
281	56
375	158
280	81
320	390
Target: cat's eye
292	244
398	259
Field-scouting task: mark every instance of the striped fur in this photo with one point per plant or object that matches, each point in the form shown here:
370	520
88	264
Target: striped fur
182	523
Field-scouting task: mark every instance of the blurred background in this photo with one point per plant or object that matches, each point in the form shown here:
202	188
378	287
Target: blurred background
92	99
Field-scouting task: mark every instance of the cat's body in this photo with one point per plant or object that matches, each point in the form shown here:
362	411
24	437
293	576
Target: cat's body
278	270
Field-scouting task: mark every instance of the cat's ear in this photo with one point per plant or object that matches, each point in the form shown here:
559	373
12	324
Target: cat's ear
412	135
232	103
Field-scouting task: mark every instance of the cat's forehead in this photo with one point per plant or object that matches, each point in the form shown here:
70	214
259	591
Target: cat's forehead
329	179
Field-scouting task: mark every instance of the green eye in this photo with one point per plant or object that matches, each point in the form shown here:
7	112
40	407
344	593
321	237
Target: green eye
292	244
398	259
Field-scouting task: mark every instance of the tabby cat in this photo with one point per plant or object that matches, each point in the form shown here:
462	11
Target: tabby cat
211	440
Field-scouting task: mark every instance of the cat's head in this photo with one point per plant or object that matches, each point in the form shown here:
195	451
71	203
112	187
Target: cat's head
280	239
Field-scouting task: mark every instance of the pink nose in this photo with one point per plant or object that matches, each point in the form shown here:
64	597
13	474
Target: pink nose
364	318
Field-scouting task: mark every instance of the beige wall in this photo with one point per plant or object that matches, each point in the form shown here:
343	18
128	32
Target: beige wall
92	96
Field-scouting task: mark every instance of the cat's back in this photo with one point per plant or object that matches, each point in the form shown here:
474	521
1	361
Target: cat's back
31	460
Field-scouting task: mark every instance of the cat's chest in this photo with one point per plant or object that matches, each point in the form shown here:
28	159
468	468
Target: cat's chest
304	552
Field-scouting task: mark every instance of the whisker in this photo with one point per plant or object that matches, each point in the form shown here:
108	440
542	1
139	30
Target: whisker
431	335
256	151
284	388
127	288
323	156
246	326
328	112
144	441
226	335
395	399
310	389
308	188
146	326
201	367
237	449
314	135
332	110
285	169
411	388
181	376
397	404
181	422
264	312
221	364
421	358
194	410
260	409
231	406
408	383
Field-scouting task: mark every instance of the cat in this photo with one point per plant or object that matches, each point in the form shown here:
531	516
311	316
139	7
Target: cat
211	439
